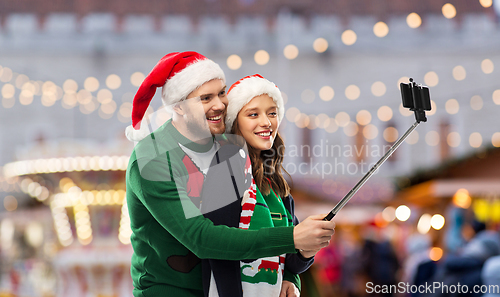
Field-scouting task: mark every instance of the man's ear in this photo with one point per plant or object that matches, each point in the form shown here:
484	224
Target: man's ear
179	109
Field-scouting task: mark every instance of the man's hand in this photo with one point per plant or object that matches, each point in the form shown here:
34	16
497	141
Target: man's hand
313	233
308	254
288	289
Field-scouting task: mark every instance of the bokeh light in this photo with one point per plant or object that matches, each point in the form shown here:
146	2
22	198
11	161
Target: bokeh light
378	88
453	139
424	223
390	134
352	92
496	97
487	66
370	131
234	62
342	119
351	129
449	11
431	79
476	102
432	138
137	78
413	20
495	139
291	52
475	140
113	81
320	45
326	93
384	113
363	117
437	221
459	73
91	84
380	29
349	37
261	57
452	106
403	213
435	254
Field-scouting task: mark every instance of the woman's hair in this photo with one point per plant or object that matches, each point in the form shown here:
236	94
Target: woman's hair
268	164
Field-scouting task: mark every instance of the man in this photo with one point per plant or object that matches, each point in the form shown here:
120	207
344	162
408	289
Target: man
165	178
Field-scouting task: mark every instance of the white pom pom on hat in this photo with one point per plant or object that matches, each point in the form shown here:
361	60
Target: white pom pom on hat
247	88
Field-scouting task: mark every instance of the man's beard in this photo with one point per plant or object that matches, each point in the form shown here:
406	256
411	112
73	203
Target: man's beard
198	127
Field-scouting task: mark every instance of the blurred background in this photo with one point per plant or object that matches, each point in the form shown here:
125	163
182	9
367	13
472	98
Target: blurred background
69	70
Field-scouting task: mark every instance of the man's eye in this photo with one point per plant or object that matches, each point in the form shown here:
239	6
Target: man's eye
223	93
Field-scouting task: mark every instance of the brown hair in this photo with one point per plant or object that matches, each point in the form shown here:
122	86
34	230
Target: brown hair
268	164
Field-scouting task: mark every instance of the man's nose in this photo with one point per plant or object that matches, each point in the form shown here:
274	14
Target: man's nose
218	104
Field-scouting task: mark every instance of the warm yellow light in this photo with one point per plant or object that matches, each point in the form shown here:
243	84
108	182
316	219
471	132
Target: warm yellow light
261	57
431	79
332	126
433	108
126	110
496	97
378	88
342	119
432	138
234	62
384	113
8	91
403	213
70	86
291	114
413	20
486	3
363	117
370	131
10	203
84	97
349	37
435	254
312	122
389	213
437	221
453	139
476	102
424	223
380	29
495	139
291	52
104	96
322	120
449	11
452	106
91	84
462	198
302	120
326	93
21	79
459	73
352	92
390	134
320	45
26	97
487	66
113	81
6	74
351	129
475	140
137	78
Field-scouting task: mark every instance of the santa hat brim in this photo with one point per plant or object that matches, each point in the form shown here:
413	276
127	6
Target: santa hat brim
245	90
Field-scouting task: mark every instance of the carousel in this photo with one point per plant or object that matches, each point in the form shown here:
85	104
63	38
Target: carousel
70	232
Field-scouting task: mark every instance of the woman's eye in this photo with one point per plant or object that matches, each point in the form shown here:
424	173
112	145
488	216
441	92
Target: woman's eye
204	98
273	114
252	115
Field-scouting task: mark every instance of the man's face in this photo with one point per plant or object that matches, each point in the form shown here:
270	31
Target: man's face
212	112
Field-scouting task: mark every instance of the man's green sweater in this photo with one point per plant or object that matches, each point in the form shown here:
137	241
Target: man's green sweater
170	235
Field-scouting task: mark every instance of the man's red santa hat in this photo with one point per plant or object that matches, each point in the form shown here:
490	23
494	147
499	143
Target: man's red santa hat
247	88
179	74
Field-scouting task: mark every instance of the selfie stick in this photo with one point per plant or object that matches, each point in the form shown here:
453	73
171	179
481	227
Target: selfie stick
415	97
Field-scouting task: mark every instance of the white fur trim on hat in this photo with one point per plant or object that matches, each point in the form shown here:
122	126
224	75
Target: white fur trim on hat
137	135
245	91
189	79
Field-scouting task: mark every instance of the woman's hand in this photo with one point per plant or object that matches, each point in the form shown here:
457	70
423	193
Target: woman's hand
313	233
288	289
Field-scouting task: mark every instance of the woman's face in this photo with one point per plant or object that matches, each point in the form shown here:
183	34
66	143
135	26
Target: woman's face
258	122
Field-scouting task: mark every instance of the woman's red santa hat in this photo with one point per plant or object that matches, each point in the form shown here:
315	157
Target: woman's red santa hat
247	88
179	74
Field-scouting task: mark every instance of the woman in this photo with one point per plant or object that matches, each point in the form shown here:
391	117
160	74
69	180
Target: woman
255	111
